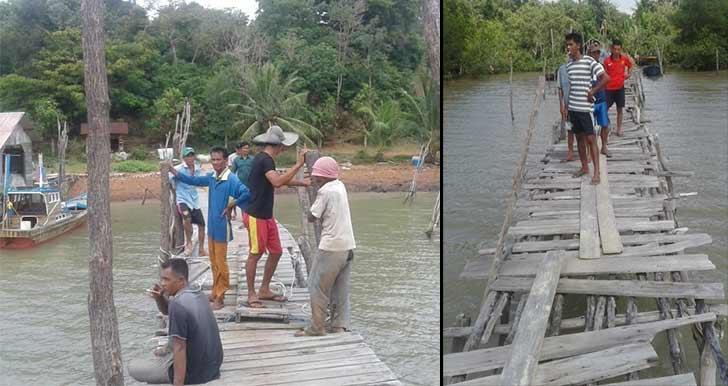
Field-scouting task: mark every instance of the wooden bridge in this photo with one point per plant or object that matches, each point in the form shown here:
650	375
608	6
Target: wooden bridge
564	240
259	344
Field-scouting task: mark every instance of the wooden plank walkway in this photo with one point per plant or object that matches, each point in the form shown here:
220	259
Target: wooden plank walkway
620	238
258	344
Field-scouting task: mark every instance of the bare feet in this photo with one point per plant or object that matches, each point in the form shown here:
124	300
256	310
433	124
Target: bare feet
607	153
595	180
308	332
569	157
337	330
269	295
217	305
580	173
203	252
188	249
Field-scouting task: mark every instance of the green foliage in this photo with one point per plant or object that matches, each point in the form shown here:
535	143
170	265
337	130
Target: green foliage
164	112
134	166
481	36
138	153
384	122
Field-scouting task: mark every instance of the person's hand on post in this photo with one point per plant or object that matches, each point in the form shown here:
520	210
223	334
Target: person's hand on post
301	156
306	182
168	167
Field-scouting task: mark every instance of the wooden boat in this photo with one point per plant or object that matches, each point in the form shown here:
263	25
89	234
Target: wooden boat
38	214
653	70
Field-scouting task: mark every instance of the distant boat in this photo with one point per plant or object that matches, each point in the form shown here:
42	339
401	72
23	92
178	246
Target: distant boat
652	70
37	214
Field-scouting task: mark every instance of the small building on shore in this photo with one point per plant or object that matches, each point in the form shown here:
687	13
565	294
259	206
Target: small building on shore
117	132
14	140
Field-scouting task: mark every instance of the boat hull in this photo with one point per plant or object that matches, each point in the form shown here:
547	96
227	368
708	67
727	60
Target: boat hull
20	239
651	71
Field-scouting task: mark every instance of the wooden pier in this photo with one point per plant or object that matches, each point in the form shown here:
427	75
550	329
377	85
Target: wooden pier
259	344
564	239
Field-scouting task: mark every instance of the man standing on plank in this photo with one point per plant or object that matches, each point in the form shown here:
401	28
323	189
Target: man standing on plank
188	203
225	192
329	280
616	65
600	106
562	83
581	98
258	216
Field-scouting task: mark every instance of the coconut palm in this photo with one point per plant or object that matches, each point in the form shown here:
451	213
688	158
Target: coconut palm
423	118
269	98
384	122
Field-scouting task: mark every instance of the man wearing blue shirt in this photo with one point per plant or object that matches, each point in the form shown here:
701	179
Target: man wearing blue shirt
223	185
188	203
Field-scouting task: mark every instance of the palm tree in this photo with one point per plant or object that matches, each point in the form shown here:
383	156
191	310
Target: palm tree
269	99
383	123
423	117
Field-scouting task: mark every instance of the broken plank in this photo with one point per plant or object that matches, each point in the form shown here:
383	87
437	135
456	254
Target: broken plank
563	346
636	288
689	240
623	225
687	379
521	366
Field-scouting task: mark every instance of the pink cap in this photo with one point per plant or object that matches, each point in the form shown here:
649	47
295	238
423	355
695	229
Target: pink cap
325	167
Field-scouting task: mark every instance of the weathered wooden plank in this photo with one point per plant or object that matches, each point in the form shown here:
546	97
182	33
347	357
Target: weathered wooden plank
234	378
686	240
521	366
564	346
587	368
570	185
636	288
636	264
687	379
253	357
623	225
608	233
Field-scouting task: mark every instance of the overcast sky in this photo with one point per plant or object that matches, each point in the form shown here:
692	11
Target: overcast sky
625	6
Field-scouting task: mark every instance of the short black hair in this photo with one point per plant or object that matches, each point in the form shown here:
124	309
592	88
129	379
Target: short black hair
219	149
178	266
242	144
574	37
616	42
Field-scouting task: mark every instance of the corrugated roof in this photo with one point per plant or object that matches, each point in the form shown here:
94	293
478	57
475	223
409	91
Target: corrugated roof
8	122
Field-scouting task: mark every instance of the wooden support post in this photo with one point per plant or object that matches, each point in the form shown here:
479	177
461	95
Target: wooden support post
165	211
516	318
717	61
673	335
520	369
457	343
510	82
711	344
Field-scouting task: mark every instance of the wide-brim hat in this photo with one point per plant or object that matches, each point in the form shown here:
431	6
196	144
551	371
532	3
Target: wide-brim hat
276	136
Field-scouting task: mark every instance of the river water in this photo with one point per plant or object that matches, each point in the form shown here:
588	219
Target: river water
688	110
44	335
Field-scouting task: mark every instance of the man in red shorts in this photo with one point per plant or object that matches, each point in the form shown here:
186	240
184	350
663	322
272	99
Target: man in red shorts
258	216
615	66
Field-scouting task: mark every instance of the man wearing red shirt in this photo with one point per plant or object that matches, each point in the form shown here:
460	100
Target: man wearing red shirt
615	66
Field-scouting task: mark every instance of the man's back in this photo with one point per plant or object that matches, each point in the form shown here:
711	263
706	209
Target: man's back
261	190
191	319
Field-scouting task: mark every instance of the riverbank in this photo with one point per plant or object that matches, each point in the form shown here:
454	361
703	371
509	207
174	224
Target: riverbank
383	177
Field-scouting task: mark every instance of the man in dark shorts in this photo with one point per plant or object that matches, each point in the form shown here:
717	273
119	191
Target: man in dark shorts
196	350
258	216
616	65
600	106
581	70
188	203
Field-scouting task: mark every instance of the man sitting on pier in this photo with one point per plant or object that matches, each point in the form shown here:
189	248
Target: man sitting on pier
196	353
223	186
258	216
581	97
188	202
328	283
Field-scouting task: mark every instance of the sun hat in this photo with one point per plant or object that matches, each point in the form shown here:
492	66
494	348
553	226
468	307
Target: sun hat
276	136
187	151
325	167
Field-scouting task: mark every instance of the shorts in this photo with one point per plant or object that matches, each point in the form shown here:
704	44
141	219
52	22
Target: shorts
262	235
615	96
194	214
581	122
601	115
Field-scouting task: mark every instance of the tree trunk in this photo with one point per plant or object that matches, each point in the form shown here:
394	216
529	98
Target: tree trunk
105	345
432	35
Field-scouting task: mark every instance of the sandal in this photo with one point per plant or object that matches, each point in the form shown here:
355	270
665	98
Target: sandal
579	173
275	298
254	304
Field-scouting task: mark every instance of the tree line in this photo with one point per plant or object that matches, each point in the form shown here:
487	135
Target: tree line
484	36
350	70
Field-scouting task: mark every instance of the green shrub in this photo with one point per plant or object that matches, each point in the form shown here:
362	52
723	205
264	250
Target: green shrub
362	157
133	166
287	158
138	153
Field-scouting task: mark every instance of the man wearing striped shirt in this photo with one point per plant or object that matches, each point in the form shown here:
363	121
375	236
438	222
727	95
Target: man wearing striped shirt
581	70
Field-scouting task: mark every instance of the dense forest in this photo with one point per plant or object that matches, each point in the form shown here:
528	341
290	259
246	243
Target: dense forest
483	36
331	70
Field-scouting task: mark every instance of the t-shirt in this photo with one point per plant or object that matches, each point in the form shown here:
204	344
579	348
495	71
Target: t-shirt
231	158
241	167
581	72
332	207
186	194
615	70
601	95
191	319
261	190
562	82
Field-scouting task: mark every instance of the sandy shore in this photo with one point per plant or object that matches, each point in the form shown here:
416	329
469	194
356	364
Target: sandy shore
359	178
